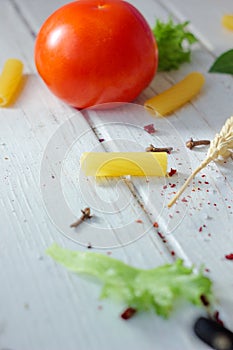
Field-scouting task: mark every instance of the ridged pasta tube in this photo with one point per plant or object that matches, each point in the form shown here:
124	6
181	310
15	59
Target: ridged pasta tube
10	79
176	96
227	21
124	163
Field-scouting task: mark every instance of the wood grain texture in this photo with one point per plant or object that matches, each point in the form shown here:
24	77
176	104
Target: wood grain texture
44	307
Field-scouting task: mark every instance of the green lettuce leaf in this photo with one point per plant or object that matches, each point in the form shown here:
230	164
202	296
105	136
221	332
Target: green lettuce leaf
155	289
174	43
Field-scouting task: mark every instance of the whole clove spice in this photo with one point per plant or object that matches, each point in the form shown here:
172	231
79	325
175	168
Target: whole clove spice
86	214
191	143
152	148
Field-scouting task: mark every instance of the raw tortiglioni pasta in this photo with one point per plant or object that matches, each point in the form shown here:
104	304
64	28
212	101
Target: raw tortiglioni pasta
175	97
124	163
10	79
227	21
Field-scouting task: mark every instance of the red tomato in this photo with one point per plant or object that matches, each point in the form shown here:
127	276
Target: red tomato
90	52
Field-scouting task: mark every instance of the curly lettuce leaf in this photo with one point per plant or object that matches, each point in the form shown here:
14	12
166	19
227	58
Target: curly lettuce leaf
155	289
174	43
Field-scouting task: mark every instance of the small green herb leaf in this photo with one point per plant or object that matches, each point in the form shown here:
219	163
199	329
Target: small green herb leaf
174	43
223	64
155	289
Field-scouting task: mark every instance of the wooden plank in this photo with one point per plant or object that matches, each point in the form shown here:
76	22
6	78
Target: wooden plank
35	290
49	307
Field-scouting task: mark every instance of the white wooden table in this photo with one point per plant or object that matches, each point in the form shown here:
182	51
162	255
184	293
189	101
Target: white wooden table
45	307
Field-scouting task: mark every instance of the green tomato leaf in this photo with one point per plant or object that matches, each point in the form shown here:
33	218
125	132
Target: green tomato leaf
155	289
223	64
174	43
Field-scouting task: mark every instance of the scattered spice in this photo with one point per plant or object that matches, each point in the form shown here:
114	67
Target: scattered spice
200	229
191	143
155	224
220	147
162	237
217	318
139	221
89	246
101	140
150	128
128	313
86	214
152	148
229	256
172	172
204	300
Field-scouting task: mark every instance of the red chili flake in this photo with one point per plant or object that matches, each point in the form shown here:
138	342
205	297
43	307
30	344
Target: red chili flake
89	246
150	128
217	319
207	270
204	300
173	185
101	140
165	187
160	235
215	204
173	253
200	229
172	172
128	313
184	200
229	256
206	182
155	224
203	175
139	221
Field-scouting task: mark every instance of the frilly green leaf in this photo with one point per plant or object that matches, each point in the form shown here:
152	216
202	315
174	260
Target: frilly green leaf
155	289
174	42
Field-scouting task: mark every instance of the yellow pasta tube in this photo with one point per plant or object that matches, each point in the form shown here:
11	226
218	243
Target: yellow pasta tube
124	163
10	79
175	97
227	21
